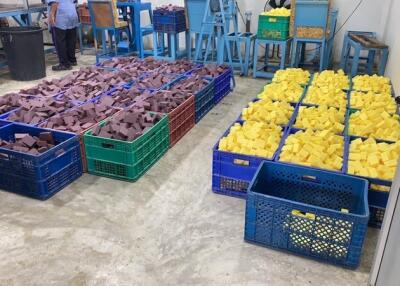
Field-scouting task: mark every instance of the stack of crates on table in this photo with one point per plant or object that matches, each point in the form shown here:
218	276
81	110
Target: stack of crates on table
273	27
167	20
39	175
313	213
273	112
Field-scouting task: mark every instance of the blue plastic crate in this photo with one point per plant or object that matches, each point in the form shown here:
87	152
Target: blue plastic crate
170	28
376	216
46	188
171	17
41	166
204	101
232	173
4	123
318	214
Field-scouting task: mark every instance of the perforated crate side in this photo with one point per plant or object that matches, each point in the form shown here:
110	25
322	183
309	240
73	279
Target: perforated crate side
181	120
299	210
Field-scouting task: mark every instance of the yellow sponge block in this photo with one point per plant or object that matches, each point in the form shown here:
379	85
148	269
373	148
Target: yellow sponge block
375	160
371	100
282	91
295	75
252	138
321	118
325	95
320	149
374	83
268	111
331	79
375	123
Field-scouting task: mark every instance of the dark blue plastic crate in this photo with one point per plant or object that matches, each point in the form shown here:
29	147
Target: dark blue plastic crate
232	173
204	101
43	165
4	123
173	17
42	189
376	216
319	214
170	28
221	93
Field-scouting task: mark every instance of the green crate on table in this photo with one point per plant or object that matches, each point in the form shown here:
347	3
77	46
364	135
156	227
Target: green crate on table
126	160
273	27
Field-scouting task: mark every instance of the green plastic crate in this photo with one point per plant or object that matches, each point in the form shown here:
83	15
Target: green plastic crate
126	160
273	27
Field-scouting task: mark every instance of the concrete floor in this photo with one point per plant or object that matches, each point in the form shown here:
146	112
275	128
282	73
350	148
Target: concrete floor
166	229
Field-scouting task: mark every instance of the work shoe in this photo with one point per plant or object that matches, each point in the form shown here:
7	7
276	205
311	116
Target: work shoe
61	68
74	64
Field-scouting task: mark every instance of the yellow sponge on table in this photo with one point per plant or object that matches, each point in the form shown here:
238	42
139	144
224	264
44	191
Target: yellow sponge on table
283	12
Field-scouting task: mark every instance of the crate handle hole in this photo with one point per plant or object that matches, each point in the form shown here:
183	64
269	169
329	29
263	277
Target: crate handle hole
310	178
241	162
107	145
4	156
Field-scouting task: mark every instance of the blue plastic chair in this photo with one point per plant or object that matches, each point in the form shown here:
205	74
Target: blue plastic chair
103	20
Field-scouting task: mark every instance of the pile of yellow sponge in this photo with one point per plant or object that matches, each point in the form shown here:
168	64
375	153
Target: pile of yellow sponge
331	79
334	97
320	149
252	138
283	12
269	111
321	118
295	75
375	123
371	100
282	91
371	159
374	83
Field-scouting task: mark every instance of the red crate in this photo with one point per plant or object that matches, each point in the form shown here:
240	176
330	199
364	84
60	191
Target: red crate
181	120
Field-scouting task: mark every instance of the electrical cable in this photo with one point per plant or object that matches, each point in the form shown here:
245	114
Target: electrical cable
240	13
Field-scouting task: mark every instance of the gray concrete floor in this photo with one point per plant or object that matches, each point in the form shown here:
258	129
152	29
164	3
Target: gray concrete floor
166	229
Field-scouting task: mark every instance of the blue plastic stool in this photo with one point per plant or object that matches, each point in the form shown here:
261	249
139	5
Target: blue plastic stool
352	43
171	51
248	39
260	72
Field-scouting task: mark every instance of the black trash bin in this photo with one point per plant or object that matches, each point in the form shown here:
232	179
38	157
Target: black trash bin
24	51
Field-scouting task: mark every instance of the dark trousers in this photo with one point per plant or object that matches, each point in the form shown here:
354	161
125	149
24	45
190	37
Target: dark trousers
65	41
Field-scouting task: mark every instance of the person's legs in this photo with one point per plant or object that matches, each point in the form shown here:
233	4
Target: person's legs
71	44
61	47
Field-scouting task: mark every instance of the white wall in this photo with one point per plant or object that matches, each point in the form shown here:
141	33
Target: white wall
392	38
